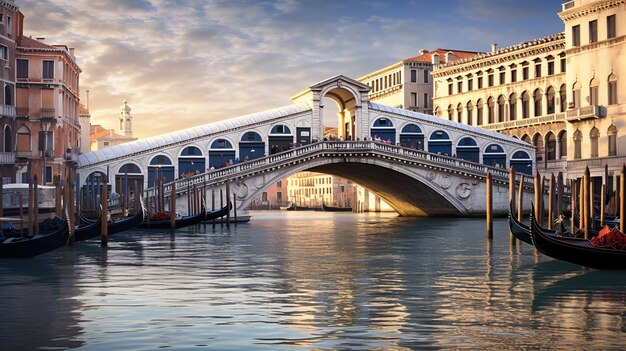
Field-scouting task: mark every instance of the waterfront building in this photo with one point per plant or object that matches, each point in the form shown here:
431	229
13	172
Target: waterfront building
408	83
9	14
311	189
563	93
47	109
101	137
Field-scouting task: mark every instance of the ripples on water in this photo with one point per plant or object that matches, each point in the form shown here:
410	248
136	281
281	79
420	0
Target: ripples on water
322	281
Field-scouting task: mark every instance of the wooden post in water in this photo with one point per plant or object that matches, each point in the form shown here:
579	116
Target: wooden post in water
29	207
72	211
602	214
512	199
622	198
573	194
213	202
227	203
537	196
520	198
35	208
551	201
173	207
22	215
222	204
1	197
586	201
591	210
560	189
104	229
189	199
489	207
66	200
542	205
58	209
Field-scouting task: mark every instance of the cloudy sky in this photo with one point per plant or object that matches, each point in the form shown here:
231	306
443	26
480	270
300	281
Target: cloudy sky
182	63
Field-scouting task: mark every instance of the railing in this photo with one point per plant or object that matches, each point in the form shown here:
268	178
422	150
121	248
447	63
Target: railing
586	112
7	158
551	118
47	113
8	111
21	112
342	149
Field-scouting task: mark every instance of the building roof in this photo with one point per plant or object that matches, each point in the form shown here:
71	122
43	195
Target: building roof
28	42
458	55
187	135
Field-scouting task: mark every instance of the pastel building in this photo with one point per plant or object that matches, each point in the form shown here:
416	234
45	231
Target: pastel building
9	28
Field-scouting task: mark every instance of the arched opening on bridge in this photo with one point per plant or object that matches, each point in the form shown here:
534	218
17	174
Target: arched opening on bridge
346	113
251	146
280	139
220	151
522	163
467	149
383	129
129	180
412	136
191	161
494	156
330	119
160	166
440	143
92	190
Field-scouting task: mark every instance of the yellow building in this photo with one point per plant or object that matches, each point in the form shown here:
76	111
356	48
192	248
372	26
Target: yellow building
563	93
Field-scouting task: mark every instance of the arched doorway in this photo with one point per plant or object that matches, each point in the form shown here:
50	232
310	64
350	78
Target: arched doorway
280	139
494	156
128	182
383	128
521	162
191	161
412	136
92	190
550	146
467	149
251	146
220	151
440	143
161	166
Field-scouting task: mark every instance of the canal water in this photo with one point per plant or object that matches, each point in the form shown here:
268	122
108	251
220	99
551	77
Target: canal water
310	281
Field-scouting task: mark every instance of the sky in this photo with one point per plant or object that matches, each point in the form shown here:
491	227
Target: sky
183	63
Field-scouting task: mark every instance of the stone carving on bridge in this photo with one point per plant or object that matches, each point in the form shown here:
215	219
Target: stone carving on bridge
444	181
463	191
240	189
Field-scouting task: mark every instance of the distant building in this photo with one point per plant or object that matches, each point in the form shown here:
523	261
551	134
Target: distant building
408	83
273	198
9	23
310	189
85	127
100	137
47	109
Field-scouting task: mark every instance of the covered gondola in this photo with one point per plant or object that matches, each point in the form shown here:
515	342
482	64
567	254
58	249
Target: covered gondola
182	222
336	209
54	234
577	251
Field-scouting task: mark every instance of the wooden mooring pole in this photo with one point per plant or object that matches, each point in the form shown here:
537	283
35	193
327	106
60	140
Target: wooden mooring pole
512	199
573	194
537	195
551	201
489	208
173	207
104	194
622	197
227	203
35	208
602	199
520	198
586	202
71	208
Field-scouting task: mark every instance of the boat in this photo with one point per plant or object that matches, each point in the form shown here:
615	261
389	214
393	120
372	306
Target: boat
12	193
181	222
120	225
294	207
88	230
54	234
577	251
336	209
218	213
92	229
522	232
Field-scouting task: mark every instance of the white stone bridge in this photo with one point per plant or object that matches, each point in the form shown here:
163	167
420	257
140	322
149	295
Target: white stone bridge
422	165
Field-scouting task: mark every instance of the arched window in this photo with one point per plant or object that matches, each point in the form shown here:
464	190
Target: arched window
467	149
550	146
593	92
191	161
538	144
8	143
563	97
563	143
437	112
501	108
470	113
440	143
23	140
526	139
251	146
8	95
521	162
479	112
525	104
612	134
513	107
450	113
411	136
537	100
459	113
576	94
220	152
612	89
578	139
490	110
594	135
494	156
550	100
161	166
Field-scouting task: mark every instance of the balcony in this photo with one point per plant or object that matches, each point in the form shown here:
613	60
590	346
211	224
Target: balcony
552	118
21	112
8	111
47	113
582	113
7	158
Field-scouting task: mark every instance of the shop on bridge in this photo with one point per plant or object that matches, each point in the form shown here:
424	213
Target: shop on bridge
494	156
190	162
221	151
467	149
160	166
383	129
129	180
412	136
90	197
522	163
440	143
251	146
280	139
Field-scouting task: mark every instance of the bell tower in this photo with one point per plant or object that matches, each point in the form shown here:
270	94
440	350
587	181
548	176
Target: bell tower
126	120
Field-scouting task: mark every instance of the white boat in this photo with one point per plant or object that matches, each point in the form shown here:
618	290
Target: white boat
11	195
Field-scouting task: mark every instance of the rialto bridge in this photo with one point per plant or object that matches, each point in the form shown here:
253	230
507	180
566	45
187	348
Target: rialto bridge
419	164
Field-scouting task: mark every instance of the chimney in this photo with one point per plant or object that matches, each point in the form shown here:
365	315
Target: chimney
494	48
422	52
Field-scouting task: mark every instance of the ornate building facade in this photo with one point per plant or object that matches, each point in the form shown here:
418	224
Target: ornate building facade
565	93
9	14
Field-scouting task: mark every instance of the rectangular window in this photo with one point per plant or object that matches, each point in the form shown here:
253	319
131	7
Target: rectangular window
9	26
563	65
279	184
413	99
610	27
46	143
538	70
48	177
470	84
449	88
613	93
480	82
48	69
413	76
576	35
426	74
593	96
4	52
593	31
576	98
22	69
490	80
425	100
513	76
525	73
502	77
550	68
459	86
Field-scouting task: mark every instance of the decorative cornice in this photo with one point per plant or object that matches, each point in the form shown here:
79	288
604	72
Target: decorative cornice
577	12
9	5
517	52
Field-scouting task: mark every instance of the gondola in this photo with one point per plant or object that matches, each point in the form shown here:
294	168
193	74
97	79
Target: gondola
53	235
127	223
577	251
336	209
522	232
182	222
93	229
218	213
88	230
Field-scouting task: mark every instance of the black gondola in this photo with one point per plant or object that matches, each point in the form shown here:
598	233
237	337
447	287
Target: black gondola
522	232
218	213
127	223
577	251
54	234
336	209
88	230
182	222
